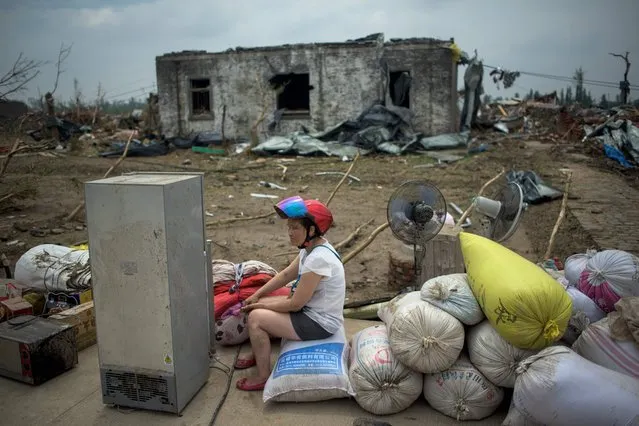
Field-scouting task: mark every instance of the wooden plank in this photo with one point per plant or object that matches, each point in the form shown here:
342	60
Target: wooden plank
442	255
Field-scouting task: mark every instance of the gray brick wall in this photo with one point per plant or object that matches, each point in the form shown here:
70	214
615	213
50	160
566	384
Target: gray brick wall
346	78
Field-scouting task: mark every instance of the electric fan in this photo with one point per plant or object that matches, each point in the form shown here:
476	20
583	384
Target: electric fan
502	211
416	213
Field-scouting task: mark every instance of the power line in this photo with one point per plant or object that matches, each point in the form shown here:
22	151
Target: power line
125	86
588	82
144	90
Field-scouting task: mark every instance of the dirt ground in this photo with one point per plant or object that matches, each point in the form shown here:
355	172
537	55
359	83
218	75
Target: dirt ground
56	187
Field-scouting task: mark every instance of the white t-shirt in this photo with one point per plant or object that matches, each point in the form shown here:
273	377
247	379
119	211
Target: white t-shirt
326	306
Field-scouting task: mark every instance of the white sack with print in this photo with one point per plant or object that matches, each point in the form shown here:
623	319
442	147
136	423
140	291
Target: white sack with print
313	370
462	392
597	345
381	383
559	387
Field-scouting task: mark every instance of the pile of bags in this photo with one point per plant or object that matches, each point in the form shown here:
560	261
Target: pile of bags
567	345
232	284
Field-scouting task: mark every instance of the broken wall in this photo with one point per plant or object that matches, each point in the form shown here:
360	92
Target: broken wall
345	78
433	93
340	78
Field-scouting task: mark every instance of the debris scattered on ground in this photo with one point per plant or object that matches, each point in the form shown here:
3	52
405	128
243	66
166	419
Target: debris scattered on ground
606	135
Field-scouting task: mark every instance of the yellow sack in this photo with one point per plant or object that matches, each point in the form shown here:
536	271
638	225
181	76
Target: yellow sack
457	52
526	306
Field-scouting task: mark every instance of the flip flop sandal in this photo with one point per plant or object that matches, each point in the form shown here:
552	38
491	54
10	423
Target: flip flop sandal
242	364
242	385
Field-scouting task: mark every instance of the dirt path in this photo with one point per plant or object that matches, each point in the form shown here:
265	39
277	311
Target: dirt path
230	181
607	208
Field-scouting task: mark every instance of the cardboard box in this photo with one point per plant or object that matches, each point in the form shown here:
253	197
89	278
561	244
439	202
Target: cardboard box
14	307
82	319
9	289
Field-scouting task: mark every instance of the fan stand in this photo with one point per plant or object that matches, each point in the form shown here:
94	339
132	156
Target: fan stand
418	257
410	212
404	266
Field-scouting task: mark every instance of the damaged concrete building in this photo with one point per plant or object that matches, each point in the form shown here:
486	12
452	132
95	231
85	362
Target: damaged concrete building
313	85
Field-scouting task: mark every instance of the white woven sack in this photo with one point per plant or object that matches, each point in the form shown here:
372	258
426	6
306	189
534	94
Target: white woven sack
575	265
462	392
313	370
584	312
609	276
52	267
493	355
386	311
381	383
559	387
597	345
452	294
424	337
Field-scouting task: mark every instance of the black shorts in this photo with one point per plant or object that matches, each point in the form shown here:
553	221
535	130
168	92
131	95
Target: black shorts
306	328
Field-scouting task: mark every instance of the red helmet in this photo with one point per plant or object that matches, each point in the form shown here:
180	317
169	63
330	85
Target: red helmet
297	208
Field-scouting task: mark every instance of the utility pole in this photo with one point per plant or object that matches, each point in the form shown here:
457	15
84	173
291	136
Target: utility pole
624	85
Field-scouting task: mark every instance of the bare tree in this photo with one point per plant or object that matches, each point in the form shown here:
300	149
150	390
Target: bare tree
24	70
625	85
14	81
98	102
578	78
76	100
21	73
63	54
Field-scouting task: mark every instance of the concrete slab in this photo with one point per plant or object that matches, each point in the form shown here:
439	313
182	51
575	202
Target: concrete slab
75	398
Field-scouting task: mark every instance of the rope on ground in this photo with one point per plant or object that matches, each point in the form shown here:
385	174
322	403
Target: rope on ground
220	404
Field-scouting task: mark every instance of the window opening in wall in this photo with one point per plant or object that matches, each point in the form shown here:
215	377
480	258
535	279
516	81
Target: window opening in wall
399	88
200	96
293	93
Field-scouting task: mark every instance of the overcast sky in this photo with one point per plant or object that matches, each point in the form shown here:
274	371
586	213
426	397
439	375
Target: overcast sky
115	42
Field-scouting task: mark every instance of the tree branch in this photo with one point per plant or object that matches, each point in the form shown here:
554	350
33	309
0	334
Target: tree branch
479	194
106	175
21	73
14	150
562	214
63	54
365	244
626	60
330	198
17	147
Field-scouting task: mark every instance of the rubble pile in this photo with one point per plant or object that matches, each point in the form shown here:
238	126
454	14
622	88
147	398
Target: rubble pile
378	129
612	132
